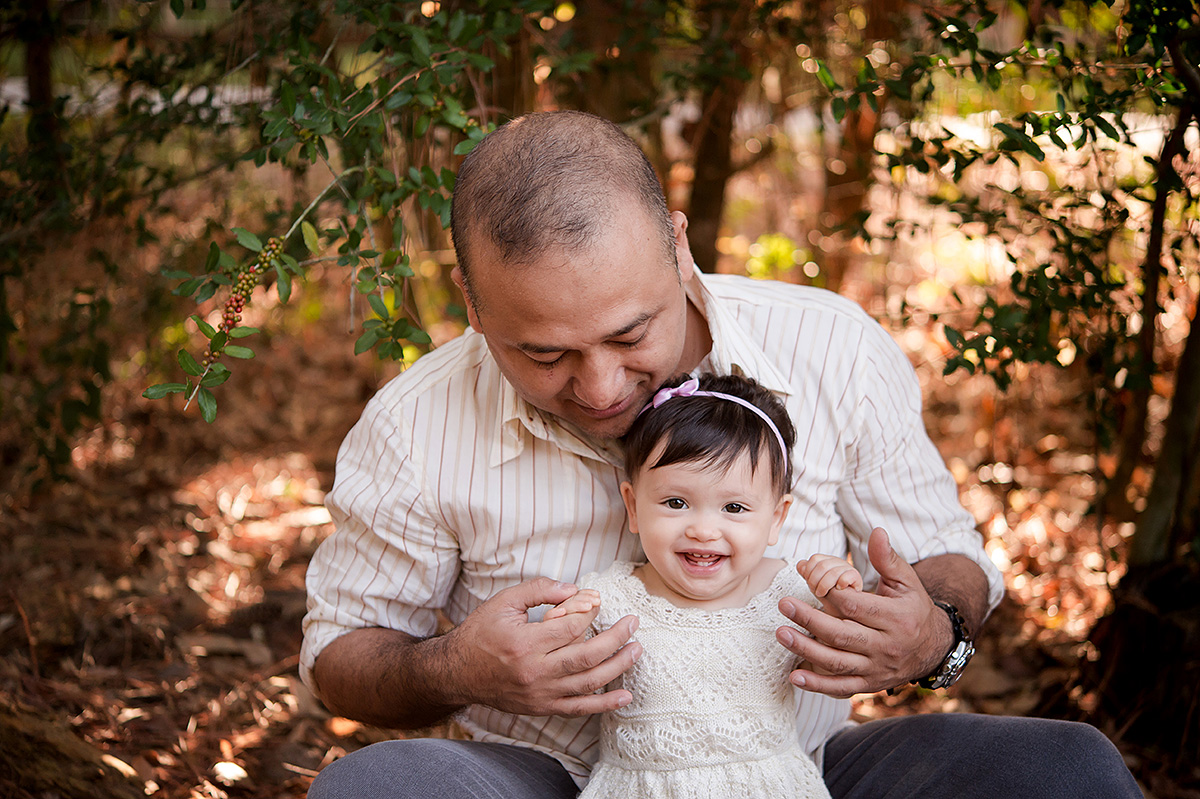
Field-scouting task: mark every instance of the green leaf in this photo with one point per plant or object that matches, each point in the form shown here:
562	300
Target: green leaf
208	330
247	239
215	378
235	351
163	389
838	107
242	332
284	284
378	305
208	404
310	237
287	96
218	341
177	8
825	76
1107	127
367	340
1021	139
214	256
188	363
418	336
480	61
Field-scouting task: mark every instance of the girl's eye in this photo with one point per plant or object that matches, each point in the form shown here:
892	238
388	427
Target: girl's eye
675	503
735	507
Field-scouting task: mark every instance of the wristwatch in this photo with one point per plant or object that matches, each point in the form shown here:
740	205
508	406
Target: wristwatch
947	673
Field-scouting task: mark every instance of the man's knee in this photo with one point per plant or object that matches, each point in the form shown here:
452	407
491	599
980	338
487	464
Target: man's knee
968	755
392	769
1095	764
424	767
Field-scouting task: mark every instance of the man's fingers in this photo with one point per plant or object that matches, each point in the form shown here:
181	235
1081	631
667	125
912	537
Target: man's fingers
594	678
852	632
576	656
835	656
840	687
531	593
894	571
589	704
560	629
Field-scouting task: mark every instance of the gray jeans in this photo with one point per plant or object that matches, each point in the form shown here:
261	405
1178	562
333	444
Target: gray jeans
933	756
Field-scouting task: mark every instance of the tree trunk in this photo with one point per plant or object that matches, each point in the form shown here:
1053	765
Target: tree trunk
1133	432
713	166
1149	666
1162	525
712	140
1145	679
848	173
35	29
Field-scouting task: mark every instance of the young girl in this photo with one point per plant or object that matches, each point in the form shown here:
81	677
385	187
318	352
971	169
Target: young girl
713	713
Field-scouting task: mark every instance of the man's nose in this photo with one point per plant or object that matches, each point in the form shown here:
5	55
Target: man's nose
600	382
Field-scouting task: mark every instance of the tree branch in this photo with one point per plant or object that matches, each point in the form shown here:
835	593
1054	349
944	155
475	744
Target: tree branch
1185	70
1133	433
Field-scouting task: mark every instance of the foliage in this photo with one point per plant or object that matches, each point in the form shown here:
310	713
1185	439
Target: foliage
78	158
1077	291
380	97
1094	250
379	121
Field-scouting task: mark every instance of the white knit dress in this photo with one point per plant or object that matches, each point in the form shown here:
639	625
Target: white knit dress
713	714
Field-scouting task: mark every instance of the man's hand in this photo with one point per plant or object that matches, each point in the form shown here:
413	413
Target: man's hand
544	668
496	657
870	642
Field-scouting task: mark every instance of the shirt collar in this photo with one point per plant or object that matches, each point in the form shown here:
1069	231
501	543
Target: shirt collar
733	352
519	420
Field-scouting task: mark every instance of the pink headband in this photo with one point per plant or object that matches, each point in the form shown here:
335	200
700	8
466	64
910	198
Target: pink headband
691	388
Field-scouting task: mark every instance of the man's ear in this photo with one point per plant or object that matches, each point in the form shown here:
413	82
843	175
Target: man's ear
683	252
630	505
472	317
781	512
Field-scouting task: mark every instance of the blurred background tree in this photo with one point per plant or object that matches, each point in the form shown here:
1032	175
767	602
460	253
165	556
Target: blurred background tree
323	139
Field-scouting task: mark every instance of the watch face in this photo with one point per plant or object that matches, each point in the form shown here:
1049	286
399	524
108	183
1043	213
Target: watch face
954	664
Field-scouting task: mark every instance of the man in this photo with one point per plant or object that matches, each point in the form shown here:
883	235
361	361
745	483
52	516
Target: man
484	481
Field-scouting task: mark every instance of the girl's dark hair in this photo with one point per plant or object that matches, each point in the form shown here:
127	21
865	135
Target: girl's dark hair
712	430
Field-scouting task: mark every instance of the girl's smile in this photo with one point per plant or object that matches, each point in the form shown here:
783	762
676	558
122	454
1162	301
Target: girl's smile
704	529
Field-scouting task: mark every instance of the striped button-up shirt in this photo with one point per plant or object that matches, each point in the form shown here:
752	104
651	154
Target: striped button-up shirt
451	487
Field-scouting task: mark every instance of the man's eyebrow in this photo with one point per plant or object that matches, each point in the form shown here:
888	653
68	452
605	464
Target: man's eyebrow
545	349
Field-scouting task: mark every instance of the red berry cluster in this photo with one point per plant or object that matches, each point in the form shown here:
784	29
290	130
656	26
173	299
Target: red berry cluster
246	280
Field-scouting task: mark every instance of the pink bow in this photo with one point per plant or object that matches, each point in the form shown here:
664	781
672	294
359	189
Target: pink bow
685	389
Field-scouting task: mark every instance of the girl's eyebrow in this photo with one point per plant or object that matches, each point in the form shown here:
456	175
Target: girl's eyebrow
543	349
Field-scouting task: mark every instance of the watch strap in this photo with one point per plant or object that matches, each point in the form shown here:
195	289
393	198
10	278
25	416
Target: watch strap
960	652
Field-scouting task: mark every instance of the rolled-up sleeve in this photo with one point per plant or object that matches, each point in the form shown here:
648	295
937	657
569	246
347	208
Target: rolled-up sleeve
389	563
897	478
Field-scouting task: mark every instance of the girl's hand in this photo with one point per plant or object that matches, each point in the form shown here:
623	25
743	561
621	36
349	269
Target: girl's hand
584	601
823	573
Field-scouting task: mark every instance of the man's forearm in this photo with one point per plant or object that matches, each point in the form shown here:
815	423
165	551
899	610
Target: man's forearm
389	678
958	580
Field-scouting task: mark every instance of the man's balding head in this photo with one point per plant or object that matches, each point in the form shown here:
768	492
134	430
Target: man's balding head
549	182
